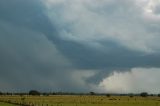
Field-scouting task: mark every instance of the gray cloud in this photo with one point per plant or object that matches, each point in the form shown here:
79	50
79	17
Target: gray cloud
72	45
26	53
121	21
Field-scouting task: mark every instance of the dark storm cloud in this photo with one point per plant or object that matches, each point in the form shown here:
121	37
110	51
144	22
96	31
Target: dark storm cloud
26	51
34	54
31	55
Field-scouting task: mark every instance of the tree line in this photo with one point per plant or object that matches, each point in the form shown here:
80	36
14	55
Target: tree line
38	93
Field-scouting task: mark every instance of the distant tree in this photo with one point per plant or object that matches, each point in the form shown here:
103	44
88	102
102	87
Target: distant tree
92	93
108	95
34	92
151	94
46	94
158	95
53	93
8	93
131	95
144	94
1	93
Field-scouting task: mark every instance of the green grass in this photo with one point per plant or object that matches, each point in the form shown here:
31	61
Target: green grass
6	104
83	100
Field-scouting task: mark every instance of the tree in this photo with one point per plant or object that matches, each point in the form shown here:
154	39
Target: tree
53	93
108	95
144	94
131	95
158	95
34	92
92	93
151	95
1	93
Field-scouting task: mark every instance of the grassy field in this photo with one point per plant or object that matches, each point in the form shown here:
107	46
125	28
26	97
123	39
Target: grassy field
81	101
6	104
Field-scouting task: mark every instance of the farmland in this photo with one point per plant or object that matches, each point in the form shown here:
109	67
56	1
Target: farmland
71	100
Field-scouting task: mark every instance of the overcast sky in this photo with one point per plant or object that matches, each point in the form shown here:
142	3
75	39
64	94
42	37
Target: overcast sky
80	45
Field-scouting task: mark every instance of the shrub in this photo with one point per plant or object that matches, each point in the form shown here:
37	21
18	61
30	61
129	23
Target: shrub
144	94
131	95
92	93
1	93
34	92
108	95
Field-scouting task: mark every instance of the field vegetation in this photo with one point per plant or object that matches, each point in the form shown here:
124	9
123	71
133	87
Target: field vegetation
79	100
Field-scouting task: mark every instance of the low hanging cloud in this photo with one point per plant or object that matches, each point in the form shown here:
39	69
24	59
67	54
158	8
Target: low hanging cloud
135	81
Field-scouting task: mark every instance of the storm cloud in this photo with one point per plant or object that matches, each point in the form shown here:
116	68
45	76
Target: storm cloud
77	45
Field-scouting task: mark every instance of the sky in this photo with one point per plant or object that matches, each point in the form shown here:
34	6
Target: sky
105	46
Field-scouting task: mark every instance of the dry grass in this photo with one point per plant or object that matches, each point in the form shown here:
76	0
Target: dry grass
68	100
